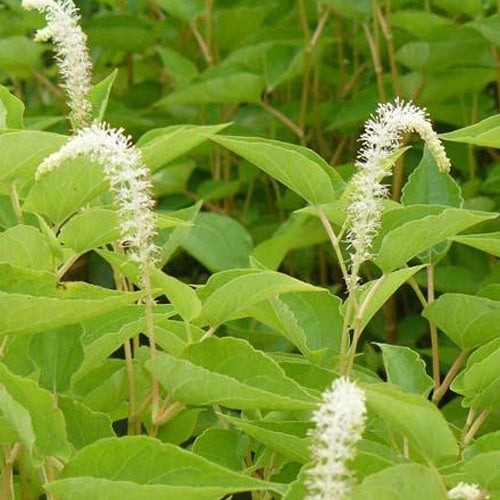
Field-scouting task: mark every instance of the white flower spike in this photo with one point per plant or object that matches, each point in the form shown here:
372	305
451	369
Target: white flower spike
467	491
129	181
72	54
381	139
339	424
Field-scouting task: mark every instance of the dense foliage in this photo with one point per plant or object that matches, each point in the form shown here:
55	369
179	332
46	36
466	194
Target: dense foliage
186	354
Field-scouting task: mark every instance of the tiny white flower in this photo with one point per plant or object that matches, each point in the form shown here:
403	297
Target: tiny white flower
381	138
129	182
339	424
467	491
72	55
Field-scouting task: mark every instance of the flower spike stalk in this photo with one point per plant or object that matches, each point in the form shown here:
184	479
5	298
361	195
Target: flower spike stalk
72	54
339	424
467	491
381	139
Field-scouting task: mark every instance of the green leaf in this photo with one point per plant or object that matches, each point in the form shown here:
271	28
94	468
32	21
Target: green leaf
21	152
417	236
11	110
99	96
57	354
17	417
401	482
22	314
66	190
47	420
90	229
416	419
25	246
355	9
311	320
160	467
427	185
219	242
386	285
20	56
229	293
161	146
479	383
406	369
485	133
173	178
182	296
186	10
84	425
229	372
468	320
287	438
181	428
179	68
488	242
298	168
222	87
483	470
226	447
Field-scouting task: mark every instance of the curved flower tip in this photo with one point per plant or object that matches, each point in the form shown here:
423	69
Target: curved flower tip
381	138
467	491
339	424
129	181
72	54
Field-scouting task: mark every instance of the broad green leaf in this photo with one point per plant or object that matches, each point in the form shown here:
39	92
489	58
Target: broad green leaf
479	382
298	168
146	461
406	369
161	146
298	231
57	354
483	470
99	96
469	7
426	429
25	246
181	428
20	56
222	87
84	426
22	313
402	482
489	27
229	372
64	191
11	110
218	242
21	151
405	242
17	417
186	10
179	68
468	320
287	438
119	32
417	22
182	296
488	242
225	299
386	285
485	133
173	178
212	190
226	447
90	229
355	9
310	320
47	420
169	242
427	185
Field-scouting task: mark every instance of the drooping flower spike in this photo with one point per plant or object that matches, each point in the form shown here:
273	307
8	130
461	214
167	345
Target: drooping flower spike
381	139
72	54
129	181
339	424
467	491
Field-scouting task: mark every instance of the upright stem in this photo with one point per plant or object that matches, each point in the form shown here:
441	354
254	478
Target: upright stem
474	428
132	398
433	330
450	376
7	485
150	328
16	205
377	66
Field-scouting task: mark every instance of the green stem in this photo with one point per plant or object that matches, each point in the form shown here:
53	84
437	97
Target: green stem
450	376
433	331
16	205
